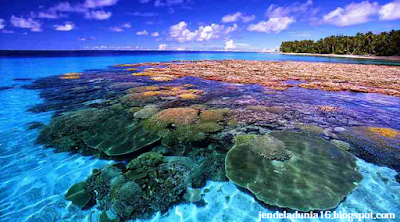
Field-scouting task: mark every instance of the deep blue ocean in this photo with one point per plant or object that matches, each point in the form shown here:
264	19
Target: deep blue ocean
34	180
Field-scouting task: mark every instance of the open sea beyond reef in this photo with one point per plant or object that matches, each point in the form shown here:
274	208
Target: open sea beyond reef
34	179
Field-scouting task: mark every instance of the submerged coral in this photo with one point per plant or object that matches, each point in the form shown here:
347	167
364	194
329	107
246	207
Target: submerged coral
124	138
149	183
377	145
96	130
71	76
185	124
385	132
316	177
63	132
78	195
266	146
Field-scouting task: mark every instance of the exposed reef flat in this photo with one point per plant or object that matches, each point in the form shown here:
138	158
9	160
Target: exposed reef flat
325	76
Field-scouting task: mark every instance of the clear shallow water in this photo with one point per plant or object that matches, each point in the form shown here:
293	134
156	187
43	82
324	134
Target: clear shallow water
33	180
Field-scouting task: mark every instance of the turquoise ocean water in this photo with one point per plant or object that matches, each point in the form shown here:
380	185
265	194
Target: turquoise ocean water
34	180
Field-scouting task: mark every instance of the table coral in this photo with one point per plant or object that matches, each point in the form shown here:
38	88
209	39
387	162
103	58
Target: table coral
316	177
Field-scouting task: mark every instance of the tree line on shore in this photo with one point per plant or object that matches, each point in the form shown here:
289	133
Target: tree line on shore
383	44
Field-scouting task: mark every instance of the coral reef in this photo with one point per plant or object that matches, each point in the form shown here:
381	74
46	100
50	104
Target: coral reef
78	195
124	138
185	124
139	96
317	176
385	132
145	113
266	146
148	184
325	76
374	144
71	76
63	132
90	131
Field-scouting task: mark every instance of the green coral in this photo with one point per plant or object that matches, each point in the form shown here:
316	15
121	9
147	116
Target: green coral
126	137
165	183
63	132
185	125
243	139
317	176
210	127
268	147
78	195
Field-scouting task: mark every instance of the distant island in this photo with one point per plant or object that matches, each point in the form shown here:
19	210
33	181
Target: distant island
383	44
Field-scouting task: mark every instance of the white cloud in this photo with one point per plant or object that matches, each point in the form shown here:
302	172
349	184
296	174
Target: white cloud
144	32
99	3
181	48
48	15
26	23
126	25
162	46
209	32
86	8
98	15
155	34
116	29
86	39
229	45
231	29
352	14
181	33
143	14
291	10
67	7
68	26
390	11
236	17
121	27
275	25
2	23
161	3
7	31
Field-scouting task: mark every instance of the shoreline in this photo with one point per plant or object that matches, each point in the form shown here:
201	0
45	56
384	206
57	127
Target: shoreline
372	57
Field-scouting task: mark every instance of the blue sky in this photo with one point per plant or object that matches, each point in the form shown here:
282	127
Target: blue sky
185	24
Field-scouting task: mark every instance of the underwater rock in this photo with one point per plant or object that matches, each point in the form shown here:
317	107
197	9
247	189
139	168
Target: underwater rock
316	177
78	195
374	144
